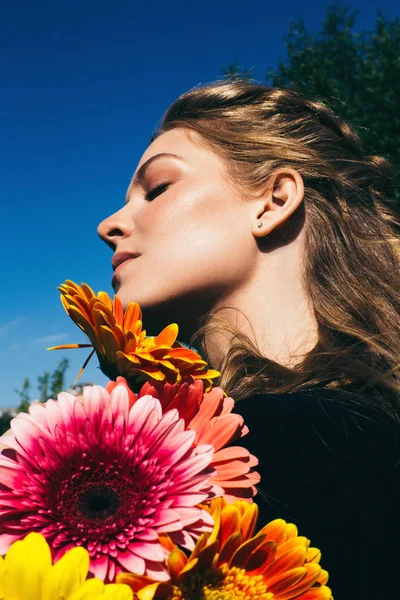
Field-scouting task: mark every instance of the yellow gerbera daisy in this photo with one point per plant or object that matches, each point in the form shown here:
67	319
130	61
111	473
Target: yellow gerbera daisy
123	347
232	563
27	573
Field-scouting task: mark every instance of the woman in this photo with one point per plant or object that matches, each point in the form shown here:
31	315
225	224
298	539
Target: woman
255	221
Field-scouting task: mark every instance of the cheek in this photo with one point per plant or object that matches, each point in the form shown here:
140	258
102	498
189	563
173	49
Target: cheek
201	235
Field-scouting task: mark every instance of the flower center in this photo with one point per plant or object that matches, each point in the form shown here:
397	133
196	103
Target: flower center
98	502
109	494
225	584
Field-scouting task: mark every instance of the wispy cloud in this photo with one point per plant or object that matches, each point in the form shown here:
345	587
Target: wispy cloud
4	327
57	337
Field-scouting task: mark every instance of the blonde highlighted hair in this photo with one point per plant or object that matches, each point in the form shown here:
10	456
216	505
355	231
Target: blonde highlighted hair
352	235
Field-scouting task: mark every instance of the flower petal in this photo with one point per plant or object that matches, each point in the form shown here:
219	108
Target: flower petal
67	575
24	578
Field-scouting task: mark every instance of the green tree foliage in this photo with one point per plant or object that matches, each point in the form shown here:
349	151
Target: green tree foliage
49	386
57	379
357	73
43	387
24	395
5	419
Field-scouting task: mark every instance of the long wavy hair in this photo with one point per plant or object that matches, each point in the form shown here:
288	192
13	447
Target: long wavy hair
352	232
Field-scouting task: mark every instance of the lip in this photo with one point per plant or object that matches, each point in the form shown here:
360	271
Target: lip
120	257
119	261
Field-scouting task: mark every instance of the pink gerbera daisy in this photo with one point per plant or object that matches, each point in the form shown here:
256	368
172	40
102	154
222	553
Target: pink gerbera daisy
94	471
210	415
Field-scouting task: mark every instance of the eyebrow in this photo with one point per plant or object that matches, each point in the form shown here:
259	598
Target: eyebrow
142	171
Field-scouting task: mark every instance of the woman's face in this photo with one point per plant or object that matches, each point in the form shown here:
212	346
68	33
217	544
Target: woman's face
183	239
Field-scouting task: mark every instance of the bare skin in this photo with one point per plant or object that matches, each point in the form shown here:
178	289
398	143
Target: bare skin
204	245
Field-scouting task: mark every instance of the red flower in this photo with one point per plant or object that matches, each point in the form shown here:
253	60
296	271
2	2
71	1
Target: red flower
93	471
210	415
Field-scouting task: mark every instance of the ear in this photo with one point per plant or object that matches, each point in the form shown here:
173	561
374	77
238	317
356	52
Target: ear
283	196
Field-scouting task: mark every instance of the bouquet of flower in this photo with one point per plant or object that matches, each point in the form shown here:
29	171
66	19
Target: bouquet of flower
140	489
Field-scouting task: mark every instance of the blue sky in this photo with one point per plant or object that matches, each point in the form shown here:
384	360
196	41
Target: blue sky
83	84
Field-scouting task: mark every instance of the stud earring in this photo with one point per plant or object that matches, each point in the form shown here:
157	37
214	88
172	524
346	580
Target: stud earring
259	224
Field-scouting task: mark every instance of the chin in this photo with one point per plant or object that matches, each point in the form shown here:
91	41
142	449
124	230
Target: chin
162	309
147	302
126	296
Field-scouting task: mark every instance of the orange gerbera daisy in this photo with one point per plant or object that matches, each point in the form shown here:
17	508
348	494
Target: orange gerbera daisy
210	415
121	344
231	563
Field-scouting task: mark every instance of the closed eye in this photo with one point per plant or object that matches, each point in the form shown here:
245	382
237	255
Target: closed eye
157	191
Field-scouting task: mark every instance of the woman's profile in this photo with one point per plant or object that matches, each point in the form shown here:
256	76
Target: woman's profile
255	220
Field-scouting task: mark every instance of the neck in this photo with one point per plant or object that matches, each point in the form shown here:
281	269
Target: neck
275	313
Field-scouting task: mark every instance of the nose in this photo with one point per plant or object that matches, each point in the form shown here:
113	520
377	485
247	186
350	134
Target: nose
115	228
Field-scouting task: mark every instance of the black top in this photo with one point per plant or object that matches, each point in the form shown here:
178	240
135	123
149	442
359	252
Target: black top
331	465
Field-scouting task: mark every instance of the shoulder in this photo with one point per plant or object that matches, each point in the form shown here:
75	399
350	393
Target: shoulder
318	401
330	418
322	438
330	463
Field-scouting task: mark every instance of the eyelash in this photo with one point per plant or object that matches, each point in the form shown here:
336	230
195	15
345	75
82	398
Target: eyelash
156	191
